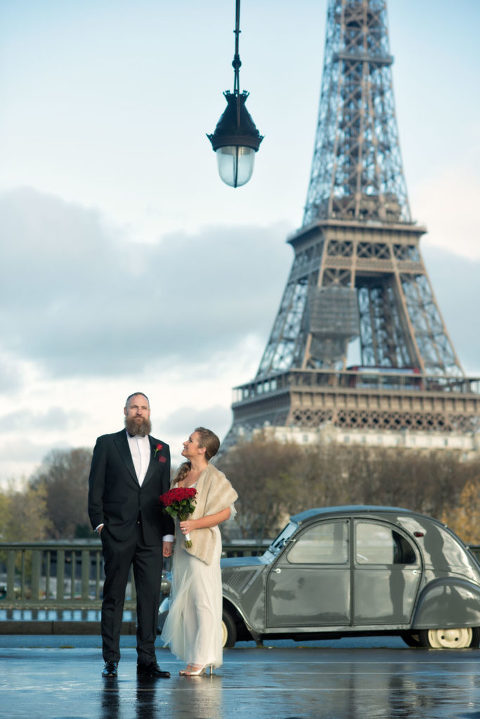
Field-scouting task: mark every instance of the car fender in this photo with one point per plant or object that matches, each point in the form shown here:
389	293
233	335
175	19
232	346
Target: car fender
448	602
233	607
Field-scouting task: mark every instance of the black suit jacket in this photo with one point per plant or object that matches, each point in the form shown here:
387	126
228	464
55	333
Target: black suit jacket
115	497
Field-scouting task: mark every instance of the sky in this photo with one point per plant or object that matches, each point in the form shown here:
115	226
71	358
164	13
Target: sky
127	264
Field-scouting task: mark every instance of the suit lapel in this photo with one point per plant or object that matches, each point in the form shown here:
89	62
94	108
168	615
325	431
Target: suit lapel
122	444
151	466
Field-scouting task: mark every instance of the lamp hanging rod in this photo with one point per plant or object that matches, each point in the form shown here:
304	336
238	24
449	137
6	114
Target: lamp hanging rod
236	63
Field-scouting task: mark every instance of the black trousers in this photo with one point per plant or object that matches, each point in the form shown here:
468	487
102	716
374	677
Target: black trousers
147	570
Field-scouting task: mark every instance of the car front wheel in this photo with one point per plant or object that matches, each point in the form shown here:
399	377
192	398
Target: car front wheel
450	638
229	630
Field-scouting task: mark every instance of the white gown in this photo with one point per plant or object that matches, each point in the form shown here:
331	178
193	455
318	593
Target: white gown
193	625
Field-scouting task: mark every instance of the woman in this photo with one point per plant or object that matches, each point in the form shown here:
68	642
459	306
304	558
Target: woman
193	625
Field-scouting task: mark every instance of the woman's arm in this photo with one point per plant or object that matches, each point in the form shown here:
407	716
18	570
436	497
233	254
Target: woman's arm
209	520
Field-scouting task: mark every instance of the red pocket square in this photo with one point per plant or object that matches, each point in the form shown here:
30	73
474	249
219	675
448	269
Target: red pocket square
162	458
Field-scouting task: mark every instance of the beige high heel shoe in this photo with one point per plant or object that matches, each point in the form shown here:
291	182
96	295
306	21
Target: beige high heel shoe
197	672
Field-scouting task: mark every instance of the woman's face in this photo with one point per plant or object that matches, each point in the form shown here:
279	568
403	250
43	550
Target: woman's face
191	446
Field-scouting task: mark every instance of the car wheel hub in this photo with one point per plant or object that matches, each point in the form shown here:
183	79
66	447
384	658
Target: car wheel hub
450	638
224	633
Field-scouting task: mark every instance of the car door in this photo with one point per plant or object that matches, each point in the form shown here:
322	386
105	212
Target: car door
386	574
309	584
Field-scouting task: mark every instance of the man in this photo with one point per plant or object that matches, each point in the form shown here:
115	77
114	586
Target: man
130	470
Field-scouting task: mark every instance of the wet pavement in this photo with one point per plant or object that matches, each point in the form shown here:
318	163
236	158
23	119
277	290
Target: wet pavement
59	678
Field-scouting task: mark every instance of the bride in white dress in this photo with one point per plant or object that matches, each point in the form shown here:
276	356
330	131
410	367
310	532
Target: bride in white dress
193	625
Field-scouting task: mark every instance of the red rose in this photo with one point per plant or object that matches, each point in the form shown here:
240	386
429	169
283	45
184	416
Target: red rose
180	502
177	494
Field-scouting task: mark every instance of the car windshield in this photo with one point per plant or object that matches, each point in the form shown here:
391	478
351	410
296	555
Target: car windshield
280	541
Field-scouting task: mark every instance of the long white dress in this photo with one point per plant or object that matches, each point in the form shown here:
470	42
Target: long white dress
193	625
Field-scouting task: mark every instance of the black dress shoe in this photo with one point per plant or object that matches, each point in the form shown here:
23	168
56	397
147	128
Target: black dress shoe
110	669
151	671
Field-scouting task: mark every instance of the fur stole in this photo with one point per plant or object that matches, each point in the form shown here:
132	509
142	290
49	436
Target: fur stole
214	493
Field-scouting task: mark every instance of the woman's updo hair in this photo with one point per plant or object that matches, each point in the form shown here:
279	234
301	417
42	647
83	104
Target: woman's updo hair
209	440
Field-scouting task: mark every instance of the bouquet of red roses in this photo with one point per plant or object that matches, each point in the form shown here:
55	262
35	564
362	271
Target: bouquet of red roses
180	502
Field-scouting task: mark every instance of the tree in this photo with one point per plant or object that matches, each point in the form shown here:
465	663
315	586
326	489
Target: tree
24	515
264	475
4	514
464	519
64	476
275	480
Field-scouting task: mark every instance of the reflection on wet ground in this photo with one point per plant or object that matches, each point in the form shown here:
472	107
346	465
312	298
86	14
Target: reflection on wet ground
62	679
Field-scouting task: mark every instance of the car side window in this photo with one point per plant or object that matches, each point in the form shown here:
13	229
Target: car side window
377	544
324	543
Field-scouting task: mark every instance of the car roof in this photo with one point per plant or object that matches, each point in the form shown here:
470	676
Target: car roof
352	509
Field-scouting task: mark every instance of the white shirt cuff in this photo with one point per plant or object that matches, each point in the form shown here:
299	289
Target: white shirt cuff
168	538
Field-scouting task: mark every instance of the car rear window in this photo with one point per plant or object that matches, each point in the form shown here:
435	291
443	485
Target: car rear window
379	544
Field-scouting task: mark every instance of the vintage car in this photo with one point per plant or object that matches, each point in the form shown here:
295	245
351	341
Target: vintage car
359	570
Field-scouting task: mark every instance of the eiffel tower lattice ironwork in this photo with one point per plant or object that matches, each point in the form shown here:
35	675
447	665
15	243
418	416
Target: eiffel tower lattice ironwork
358	284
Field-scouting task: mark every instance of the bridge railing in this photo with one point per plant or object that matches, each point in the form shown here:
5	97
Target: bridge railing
70	574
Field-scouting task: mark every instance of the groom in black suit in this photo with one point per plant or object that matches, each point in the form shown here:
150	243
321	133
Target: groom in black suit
130	470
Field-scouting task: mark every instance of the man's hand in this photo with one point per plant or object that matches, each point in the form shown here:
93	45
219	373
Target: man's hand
167	549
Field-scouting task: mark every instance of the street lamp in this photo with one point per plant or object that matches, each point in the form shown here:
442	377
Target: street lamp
236	139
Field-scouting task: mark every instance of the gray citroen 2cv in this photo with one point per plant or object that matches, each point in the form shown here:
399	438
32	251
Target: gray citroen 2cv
358	570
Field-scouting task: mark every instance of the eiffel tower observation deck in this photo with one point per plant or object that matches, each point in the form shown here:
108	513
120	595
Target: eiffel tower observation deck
358	287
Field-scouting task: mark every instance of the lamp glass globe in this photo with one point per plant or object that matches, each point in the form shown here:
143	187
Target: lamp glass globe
235	164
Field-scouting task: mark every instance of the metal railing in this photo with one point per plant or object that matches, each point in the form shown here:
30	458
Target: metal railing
65	575
69	575
354	379
52	574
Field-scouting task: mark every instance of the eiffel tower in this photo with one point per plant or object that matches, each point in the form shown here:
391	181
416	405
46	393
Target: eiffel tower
358	286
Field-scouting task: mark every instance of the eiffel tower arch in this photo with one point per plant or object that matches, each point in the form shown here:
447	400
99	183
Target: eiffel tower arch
358	286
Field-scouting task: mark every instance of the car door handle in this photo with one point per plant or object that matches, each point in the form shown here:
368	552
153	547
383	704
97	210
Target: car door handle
277	570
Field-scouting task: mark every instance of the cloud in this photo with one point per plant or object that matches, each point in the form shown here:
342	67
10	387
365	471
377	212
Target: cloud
53	419
185	419
455	284
11	376
448	202
21	453
79	299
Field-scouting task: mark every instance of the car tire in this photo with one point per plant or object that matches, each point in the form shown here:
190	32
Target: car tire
229	630
411	639
462	638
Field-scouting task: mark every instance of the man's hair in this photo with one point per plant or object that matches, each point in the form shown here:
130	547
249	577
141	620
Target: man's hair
134	394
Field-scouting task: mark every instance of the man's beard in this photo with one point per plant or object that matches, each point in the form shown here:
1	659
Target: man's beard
138	425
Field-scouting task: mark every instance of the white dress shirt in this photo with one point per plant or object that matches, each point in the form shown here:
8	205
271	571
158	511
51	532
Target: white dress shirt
140	451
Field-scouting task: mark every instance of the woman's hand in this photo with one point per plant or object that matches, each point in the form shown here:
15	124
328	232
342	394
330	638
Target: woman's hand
187	525
209	520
